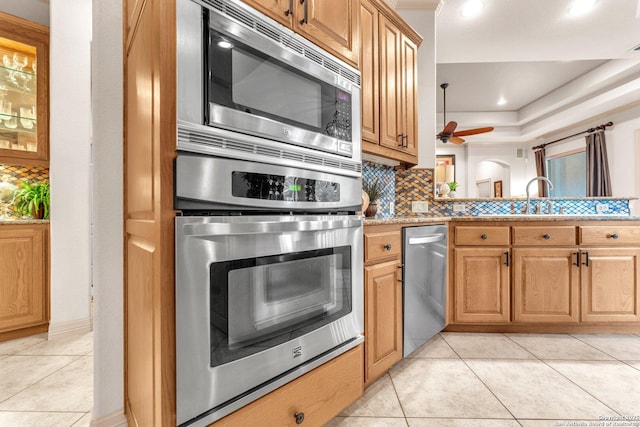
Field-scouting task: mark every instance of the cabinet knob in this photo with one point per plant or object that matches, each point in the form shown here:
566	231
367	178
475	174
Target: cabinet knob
614	236
483	237
546	237
299	416
388	246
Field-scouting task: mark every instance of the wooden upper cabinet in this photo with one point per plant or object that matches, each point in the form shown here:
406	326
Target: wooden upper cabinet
390	84
24	93
610	285
409	99
369	68
279	10
330	24
389	65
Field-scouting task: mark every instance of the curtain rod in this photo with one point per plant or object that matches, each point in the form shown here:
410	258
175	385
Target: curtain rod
601	127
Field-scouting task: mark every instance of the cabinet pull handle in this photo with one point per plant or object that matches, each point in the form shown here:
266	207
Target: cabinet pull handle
546	237
388	246
577	263
614	236
586	258
405	141
401	140
290	11
299	416
506	255
483	237
305	20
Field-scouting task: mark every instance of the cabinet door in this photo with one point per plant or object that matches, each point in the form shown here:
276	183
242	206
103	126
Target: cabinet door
23	284
24	83
610	285
390	83
370	73
331	24
481	285
279	10
383	318
408	71
545	285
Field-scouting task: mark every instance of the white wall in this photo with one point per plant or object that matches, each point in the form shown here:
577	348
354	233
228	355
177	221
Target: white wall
70	134
493	171
32	10
522	170
107	205
424	22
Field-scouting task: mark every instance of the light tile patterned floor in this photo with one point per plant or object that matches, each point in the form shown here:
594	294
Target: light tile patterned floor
507	380
46	383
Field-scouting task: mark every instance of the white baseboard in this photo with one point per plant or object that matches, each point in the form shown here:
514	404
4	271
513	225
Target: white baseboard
68	329
116	419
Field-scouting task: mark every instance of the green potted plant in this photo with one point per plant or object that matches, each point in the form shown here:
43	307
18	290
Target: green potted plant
374	190
452	186
32	199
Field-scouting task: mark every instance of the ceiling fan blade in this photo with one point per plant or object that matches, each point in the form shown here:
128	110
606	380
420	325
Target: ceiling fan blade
472	131
456	140
449	128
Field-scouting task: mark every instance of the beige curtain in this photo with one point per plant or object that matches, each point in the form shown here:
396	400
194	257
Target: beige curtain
598	179
541	170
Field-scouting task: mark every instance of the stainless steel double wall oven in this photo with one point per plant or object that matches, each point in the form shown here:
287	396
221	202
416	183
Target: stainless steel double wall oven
268	245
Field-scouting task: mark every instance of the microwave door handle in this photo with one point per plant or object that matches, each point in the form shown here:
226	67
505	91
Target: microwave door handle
305	20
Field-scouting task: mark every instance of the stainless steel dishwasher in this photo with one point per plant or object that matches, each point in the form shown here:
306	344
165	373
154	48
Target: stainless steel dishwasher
424	260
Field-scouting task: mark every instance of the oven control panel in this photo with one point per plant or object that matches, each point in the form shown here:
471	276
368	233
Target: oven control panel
281	187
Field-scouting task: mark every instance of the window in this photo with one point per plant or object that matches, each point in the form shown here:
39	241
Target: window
567	171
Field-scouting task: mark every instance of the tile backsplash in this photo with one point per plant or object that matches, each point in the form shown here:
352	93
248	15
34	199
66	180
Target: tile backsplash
387	177
401	187
17	174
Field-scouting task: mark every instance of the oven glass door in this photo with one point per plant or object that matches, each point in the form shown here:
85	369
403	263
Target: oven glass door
258	303
247	80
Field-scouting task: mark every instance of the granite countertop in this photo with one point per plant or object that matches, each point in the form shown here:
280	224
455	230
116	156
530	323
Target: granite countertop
494	218
23	221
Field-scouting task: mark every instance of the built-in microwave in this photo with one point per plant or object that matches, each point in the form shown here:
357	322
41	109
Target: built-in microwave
242	72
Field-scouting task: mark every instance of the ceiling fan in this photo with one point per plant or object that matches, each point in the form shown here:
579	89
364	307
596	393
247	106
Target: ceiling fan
448	133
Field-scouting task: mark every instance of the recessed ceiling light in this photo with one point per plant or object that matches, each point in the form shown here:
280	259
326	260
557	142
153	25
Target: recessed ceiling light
472	8
581	7
501	101
225	44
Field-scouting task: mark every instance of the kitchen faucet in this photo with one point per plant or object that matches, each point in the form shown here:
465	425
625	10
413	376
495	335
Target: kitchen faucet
549	188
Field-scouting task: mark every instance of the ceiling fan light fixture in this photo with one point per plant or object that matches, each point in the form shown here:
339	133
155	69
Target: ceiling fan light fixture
581	7
472	8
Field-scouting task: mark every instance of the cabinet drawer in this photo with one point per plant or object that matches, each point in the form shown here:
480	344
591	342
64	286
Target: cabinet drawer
382	245
320	395
544	235
482	236
609	235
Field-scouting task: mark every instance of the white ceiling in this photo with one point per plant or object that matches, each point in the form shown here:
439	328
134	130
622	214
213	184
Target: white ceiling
552	68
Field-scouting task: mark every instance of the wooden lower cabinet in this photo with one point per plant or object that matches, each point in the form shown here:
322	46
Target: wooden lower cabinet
24	280
610	285
317	396
545	285
563	276
383	318
481	285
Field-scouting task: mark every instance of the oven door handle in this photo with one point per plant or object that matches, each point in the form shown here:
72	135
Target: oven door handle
222	229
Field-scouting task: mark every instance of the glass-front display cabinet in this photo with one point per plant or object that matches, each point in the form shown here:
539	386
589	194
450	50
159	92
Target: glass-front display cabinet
24	92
